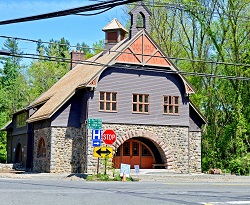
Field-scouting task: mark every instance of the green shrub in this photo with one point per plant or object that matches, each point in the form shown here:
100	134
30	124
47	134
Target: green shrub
240	165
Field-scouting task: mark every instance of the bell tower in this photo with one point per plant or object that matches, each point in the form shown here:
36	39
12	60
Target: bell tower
140	16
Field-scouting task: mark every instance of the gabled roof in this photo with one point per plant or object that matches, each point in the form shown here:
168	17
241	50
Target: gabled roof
140	3
139	50
114	25
7	126
191	104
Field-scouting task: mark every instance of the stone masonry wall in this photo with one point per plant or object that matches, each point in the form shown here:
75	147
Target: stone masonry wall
67	150
172	143
42	164
195	151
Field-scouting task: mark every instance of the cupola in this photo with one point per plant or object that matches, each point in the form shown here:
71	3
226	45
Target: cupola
114	33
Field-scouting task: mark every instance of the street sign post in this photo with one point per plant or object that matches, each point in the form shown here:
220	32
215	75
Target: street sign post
103	152
94	123
109	137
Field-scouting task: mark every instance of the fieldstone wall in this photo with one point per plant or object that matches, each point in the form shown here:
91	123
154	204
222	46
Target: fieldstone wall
67	150
172	143
42	164
195	151
6	166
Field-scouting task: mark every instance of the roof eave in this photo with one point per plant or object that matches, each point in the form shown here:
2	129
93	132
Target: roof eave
198	112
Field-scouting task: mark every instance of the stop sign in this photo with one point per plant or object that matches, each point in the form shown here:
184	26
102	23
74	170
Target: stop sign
108	137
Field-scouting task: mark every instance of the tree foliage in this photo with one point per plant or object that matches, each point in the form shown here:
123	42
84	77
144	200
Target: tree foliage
20	85
13	89
214	31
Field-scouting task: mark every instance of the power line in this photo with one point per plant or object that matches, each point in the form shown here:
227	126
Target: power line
159	69
173	58
185	8
98	6
46	42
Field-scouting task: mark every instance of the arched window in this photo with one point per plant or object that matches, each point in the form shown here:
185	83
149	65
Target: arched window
140	20
41	151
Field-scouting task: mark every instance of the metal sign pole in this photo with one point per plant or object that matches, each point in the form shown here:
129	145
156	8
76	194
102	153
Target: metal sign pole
97	171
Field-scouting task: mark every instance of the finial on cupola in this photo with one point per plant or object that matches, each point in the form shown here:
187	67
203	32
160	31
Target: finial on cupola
140	16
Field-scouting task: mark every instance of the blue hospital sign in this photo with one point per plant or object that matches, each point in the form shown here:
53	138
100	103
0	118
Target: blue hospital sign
96	134
96	138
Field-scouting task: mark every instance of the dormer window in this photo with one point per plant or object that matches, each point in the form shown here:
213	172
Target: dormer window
21	120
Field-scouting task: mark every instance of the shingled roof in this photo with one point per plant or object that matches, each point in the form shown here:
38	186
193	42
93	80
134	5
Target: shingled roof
113	25
83	74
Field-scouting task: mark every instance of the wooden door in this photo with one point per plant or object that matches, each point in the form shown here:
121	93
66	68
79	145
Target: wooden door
18	156
134	152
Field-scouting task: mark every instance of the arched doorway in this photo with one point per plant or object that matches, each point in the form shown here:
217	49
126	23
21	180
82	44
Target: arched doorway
18	154
137	151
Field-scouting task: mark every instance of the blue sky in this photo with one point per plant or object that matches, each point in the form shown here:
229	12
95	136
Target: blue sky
74	28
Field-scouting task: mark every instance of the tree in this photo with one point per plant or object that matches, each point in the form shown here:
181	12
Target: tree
211	31
53	63
13	89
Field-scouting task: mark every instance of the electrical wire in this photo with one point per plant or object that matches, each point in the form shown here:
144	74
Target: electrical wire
98	6
94	13
182	7
173	58
46	42
127	66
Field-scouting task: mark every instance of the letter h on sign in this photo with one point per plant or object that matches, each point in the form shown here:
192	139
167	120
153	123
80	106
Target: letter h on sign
96	134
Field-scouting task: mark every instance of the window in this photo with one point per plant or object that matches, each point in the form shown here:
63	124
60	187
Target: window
21	120
145	151
41	151
108	101
118	152
126	149
171	105
112	37
140	103
135	148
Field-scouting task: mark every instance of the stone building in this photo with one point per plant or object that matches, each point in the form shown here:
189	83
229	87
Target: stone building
134	89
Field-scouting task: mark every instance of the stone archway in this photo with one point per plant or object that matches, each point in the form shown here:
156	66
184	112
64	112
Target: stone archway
157	141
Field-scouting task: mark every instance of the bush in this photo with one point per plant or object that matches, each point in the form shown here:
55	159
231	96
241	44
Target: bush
240	165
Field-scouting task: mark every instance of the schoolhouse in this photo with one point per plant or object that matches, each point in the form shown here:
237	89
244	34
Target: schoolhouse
133	88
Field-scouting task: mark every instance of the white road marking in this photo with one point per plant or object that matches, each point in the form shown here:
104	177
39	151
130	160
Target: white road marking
227	202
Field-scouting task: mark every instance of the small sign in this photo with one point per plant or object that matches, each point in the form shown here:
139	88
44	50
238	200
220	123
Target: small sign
96	143
94	123
125	169
137	169
103	152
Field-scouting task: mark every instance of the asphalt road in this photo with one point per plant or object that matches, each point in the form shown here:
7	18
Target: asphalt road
61	192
